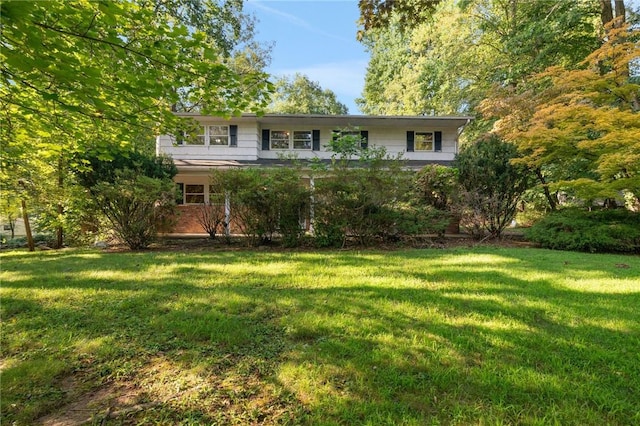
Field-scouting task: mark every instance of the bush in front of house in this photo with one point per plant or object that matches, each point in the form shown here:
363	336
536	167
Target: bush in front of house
607	230
492	184
265	202
367	196
134	191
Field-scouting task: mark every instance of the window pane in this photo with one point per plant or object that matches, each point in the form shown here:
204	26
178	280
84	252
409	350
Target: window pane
219	130
191	189
199	139
424	141
194	198
218	140
279	134
279	144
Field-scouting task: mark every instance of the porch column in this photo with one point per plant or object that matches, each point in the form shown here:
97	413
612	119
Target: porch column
227	214
311	205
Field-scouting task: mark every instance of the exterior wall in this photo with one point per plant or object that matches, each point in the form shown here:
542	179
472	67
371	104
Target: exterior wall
247	149
393	139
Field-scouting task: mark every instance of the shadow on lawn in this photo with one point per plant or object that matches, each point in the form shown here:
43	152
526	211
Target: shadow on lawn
274	337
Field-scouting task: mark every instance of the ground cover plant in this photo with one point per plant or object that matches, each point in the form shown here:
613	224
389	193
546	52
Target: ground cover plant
481	335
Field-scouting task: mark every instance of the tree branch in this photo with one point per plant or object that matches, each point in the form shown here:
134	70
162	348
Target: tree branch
115	45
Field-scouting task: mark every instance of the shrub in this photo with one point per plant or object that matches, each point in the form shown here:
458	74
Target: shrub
137	206
492	185
265	202
616	230
133	190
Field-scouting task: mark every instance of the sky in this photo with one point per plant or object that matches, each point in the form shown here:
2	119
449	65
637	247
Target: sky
316	38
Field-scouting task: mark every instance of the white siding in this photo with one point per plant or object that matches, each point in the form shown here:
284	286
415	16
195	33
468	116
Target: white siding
247	148
394	140
391	134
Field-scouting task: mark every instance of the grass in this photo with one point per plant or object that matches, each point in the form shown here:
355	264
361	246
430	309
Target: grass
458	336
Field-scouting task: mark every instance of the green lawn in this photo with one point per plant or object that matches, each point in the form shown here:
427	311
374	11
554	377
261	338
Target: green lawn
457	336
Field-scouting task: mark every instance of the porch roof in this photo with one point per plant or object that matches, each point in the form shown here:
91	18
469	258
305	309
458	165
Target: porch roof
203	165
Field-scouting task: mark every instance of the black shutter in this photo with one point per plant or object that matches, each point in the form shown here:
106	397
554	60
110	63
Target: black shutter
233	135
315	140
410	146
364	135
265	139
438	141
180	194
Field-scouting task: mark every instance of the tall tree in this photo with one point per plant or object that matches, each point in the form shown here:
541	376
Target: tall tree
82	75
300	95
448	63
580	127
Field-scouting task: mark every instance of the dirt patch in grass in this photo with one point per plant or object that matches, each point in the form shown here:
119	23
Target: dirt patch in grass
93	406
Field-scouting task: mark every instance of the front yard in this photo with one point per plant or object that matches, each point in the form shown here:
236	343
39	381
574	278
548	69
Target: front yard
436	336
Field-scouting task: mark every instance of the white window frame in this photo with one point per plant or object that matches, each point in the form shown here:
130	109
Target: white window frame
206	134
279	139
217	134
433	141
306	140
290	139
192	193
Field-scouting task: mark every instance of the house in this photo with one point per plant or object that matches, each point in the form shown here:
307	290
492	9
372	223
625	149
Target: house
263	141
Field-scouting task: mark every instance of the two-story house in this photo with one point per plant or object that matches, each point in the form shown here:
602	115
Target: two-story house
263	141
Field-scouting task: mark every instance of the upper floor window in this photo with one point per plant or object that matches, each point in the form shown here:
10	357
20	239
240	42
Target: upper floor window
218	135
424	141
297	139
207	135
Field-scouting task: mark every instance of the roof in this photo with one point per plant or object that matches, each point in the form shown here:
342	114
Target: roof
205	165
347	120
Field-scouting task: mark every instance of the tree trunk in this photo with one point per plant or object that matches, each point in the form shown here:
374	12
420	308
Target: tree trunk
59	229
606	11
545	188
621	12
27	226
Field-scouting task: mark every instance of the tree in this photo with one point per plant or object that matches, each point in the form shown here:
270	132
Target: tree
264	202
453	57
492	184
300	95
580	128
376	14
79	76
135	192
71	63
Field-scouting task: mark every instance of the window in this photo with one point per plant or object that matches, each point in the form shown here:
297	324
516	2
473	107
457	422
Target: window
423	141
279	139
219	135
284	139
207	135
193	194
302	139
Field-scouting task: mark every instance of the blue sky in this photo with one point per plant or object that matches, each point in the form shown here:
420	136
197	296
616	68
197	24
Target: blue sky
316	38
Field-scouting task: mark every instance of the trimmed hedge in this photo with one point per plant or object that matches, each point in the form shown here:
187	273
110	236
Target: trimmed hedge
615	230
